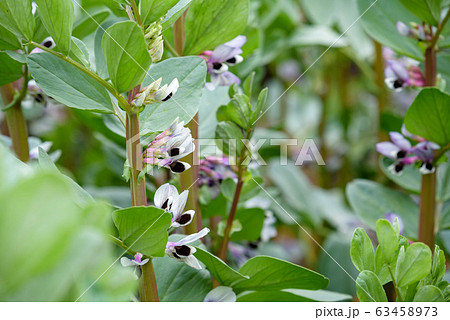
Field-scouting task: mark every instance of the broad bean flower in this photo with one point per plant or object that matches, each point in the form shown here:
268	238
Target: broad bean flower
181	251
167	198
137	263
218	61
403	153
213	170
154	93
169	146
402	72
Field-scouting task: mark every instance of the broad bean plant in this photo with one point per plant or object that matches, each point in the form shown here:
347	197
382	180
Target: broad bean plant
150	150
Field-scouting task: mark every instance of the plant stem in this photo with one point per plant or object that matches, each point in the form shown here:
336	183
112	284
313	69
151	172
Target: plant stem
188	179
399	296
427	209
226	237
179	34
148	293
147	288
428	187
440	29
136	12
15	120
170	47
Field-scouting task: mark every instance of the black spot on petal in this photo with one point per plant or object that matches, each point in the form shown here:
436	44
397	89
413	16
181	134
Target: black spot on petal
401	154
164	206
174	152
429	166
231	60
398	83
217	65
168	97
399	167
185	218
183	250
48	44
177	167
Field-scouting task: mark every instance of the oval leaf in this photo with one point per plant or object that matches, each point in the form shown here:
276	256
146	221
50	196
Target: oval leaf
268	273
210	23
143	229
126	55
429	116
369	288
67	84
58	17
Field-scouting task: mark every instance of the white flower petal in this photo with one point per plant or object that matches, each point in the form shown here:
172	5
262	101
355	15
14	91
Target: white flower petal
166	192
192	262
193	237
125	262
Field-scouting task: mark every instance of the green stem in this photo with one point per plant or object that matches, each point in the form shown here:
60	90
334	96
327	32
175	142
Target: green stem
15	120
147	288
439	30
136	12
122	101
222	254
170	47
188	179
148	293
226	237
427	209
399	296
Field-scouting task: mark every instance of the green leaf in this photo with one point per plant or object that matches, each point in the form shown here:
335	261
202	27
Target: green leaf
19	15
260	104
126	55
152	10
415	265
143	229
232	112
268	273
388	240
11	69
293	295
190	72
211	23
361	251
429	294
381	268
369	288
88	24
252	223
429	116
175	12
364	197
427	10
224	274
8	41
178	282
79	52
67	84
438	267
229	138
58	17
380	23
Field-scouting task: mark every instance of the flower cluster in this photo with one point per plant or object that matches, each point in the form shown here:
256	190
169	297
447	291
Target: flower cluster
416	31
218	61
402	72
403	153
181	251
213	170
154	39
154	93
167	198
169	146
